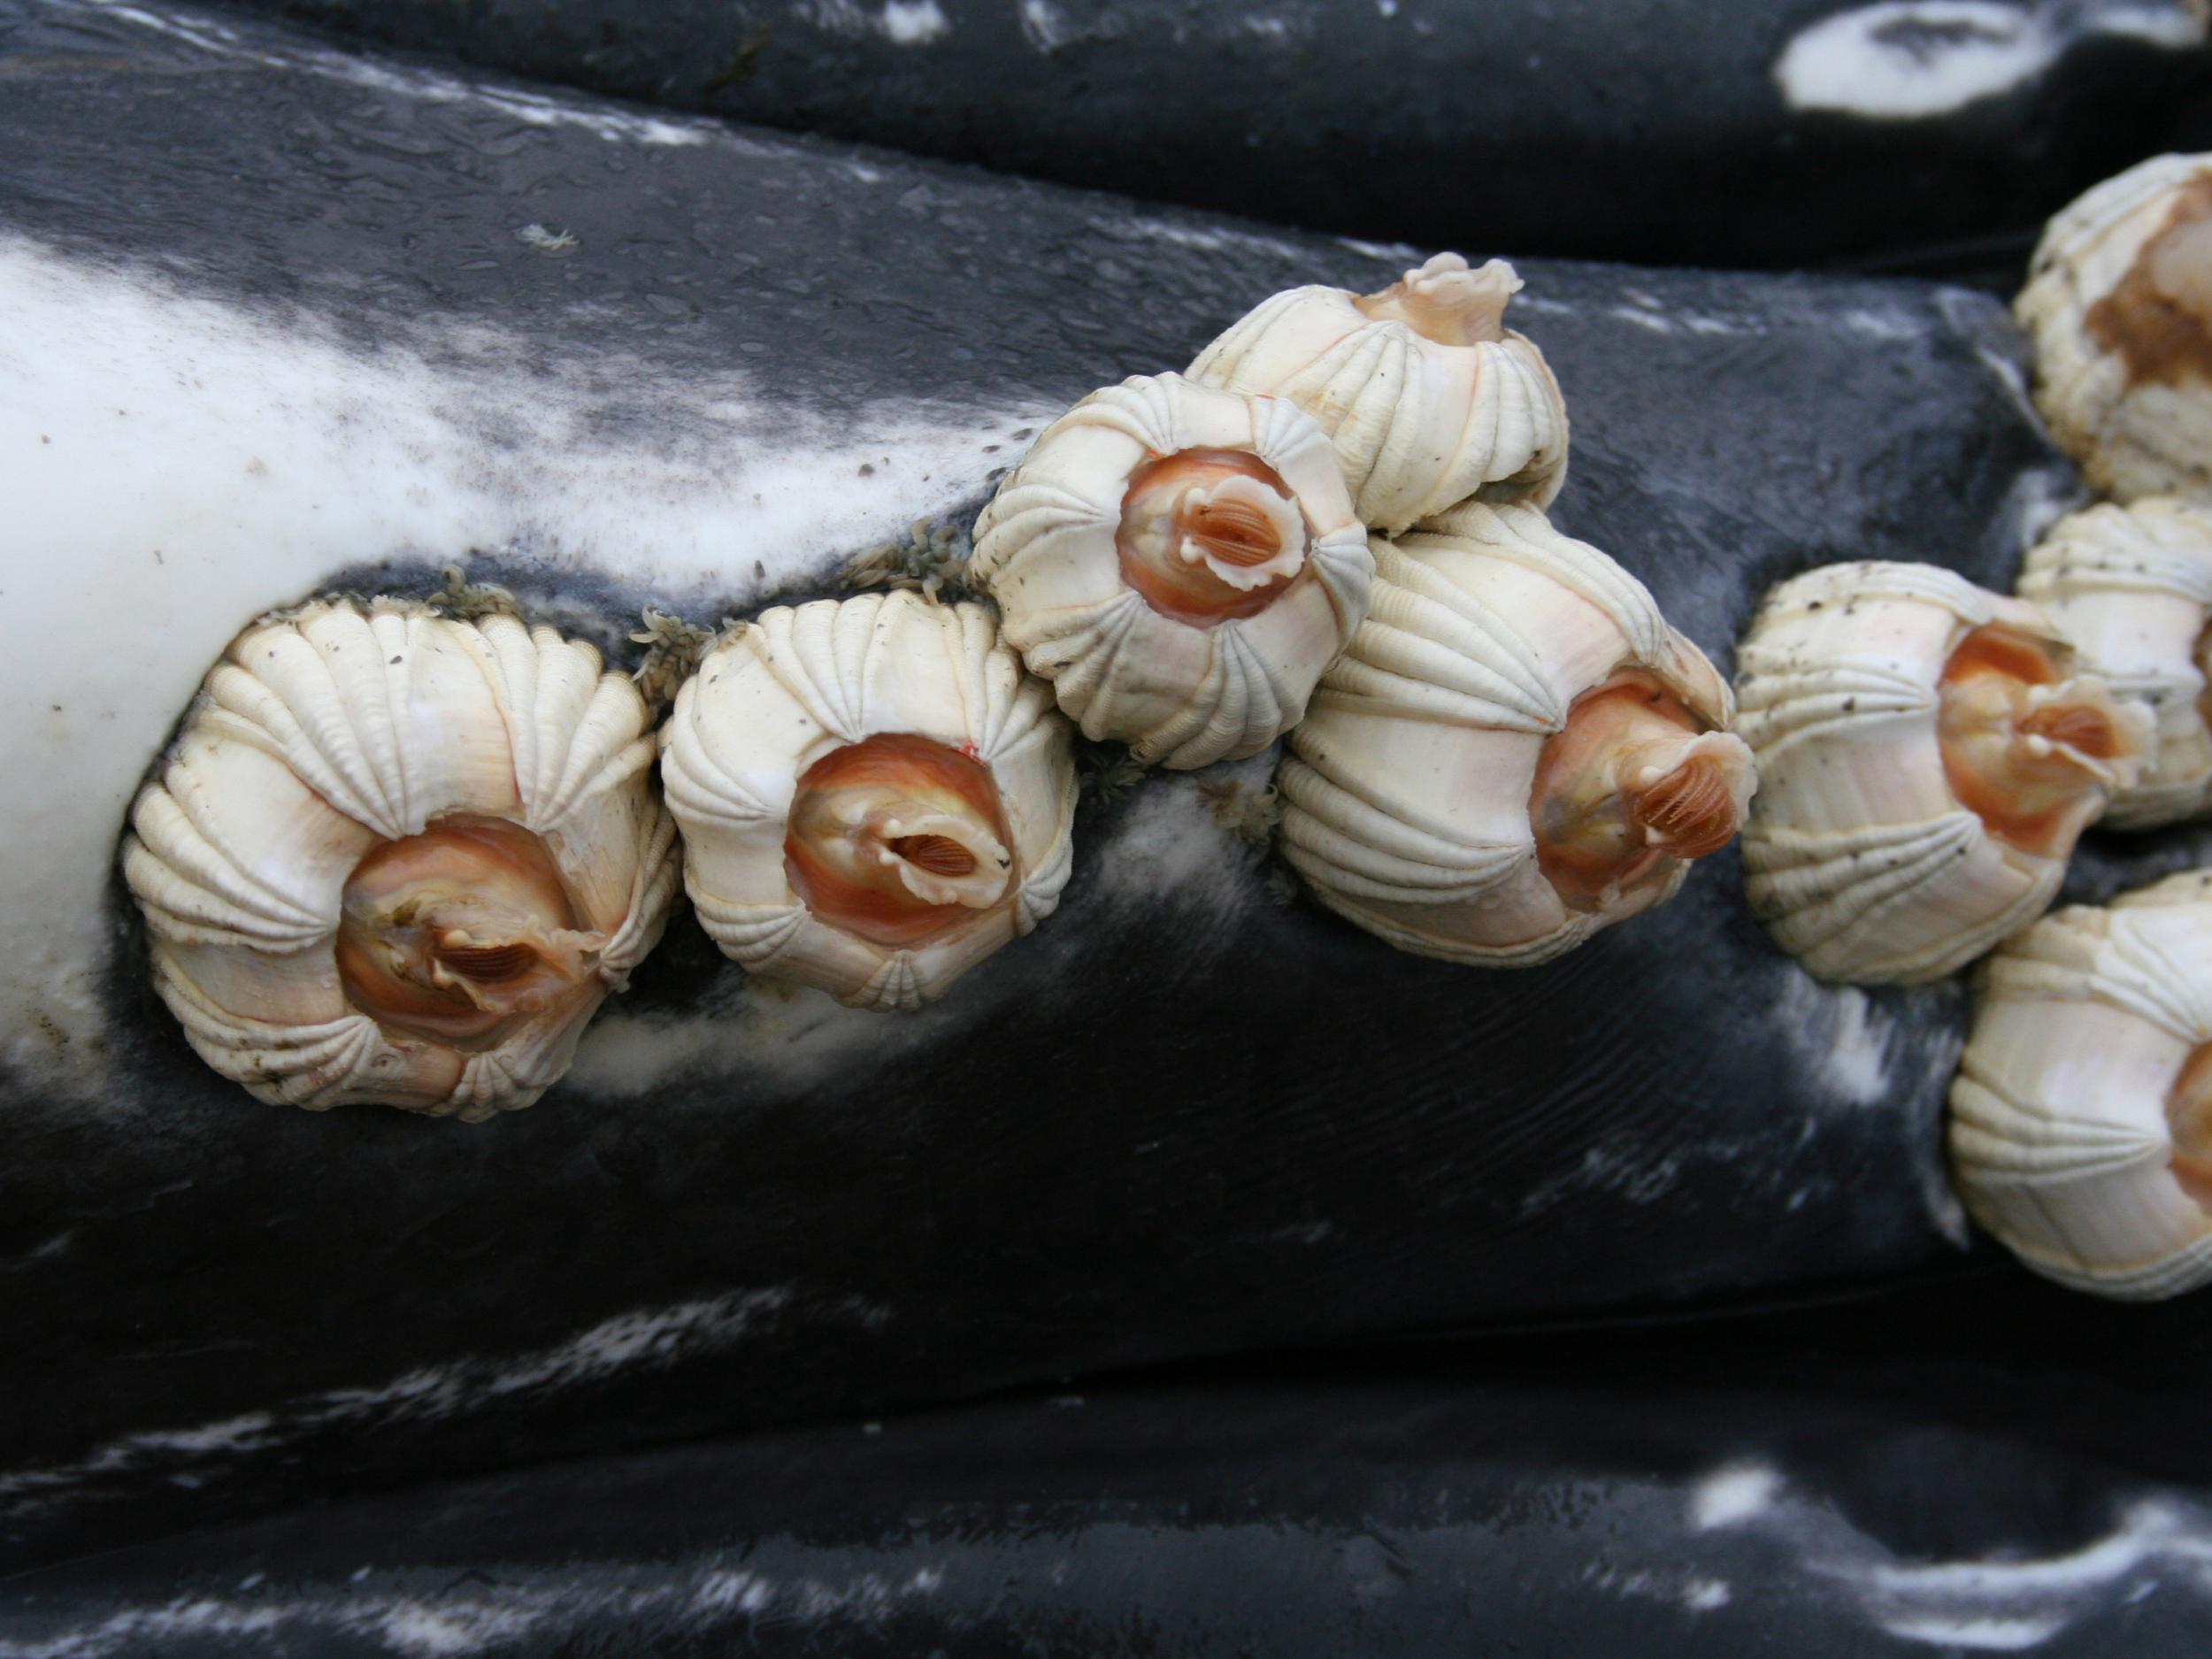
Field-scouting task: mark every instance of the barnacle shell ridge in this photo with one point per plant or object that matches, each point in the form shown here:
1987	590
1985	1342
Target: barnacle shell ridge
873	796
1515	751
2081	1118
397	858
1180	563
1927	756
1428	398
2119	305
2130	589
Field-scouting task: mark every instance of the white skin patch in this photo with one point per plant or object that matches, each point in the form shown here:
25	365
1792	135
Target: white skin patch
1735	1494
1913	59
902	22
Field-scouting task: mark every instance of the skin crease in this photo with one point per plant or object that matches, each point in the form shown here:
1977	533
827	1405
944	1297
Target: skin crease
2158	321
848	871
1591	826
454	935
1231	531
2033	801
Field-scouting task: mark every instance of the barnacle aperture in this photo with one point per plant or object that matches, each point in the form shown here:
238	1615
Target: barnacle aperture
458	934
2157	320
896	838
1208	535
2025	749
1632	778
1446	302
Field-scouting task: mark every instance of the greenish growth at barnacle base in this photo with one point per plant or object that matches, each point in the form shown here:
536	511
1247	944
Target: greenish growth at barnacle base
1105	772
466	600
672	650
1251	814
931	561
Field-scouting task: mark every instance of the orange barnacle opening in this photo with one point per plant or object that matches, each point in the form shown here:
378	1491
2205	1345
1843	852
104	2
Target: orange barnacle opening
2025	749
1209	535
455	935
896	838
1633	782
2189	1116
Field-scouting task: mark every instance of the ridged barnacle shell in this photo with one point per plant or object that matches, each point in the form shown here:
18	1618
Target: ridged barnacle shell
2129	588
873	796
401	859
1927	756
2081	1118
1516	752
2119	304
1427	395
1180	563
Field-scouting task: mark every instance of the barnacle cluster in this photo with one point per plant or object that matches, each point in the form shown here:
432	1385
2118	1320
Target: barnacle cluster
400	852
1930	751
2080	1128
1331	528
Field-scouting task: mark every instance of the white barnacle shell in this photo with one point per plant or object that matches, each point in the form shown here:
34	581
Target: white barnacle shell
1515	751
873	796
2081	1118
401	859
1427	395
1180	563
2119	305
1927	756
2131	590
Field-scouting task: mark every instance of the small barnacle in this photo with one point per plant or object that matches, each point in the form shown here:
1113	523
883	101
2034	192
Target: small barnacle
1428	398
2119	307
873	796
1926	759
931	561
466	600
398	858
1106	771
1515	752
672	650
1251	814
1180	563
2081	1118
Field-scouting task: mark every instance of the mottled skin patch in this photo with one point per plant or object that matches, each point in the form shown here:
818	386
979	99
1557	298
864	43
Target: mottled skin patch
2155	321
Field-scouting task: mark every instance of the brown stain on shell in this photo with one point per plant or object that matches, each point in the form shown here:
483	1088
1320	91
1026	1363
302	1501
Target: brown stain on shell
2159	336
